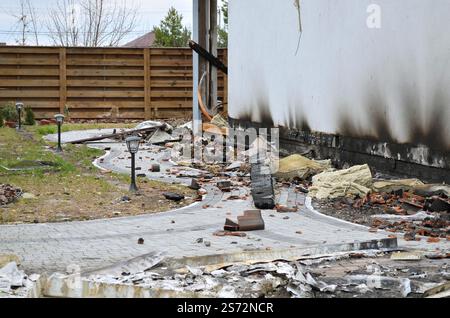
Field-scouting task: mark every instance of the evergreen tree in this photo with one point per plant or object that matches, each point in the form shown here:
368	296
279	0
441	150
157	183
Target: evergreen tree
171	32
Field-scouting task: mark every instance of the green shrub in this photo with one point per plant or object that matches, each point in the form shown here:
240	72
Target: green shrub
9	112
1	119
29	117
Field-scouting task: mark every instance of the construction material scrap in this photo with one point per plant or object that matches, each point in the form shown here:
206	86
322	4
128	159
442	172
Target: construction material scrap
353	182
299	167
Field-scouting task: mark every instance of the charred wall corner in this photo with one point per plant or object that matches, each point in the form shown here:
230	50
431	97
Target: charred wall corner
426	155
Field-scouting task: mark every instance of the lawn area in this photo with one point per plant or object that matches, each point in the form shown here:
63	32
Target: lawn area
72	188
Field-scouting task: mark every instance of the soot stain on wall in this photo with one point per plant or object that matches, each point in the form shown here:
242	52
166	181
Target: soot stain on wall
260	110
259	113
433	131
297	120
430	132
375	110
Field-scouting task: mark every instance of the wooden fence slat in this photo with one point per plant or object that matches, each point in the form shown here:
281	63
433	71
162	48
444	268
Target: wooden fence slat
29	50
172	63
171	94
105	94
171	73
28	83
104	62
29	61
105	72
105	83
10	93
105	104
116	51
29	72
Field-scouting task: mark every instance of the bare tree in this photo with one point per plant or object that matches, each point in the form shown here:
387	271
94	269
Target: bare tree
27	23
91	23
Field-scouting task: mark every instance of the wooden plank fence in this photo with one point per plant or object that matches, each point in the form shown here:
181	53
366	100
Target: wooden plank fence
101	83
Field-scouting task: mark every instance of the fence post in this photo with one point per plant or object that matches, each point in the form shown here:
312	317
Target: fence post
62	79
147	84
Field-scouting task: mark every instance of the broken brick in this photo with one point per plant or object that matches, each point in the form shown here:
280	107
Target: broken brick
285	209
228	233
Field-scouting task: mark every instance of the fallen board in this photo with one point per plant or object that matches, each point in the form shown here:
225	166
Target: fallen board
117	135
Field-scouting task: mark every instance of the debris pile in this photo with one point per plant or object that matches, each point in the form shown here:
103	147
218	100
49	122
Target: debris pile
145	130
307	278
9	193
396	206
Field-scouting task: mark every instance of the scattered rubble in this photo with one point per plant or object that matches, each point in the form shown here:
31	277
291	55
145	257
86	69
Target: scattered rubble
9	194
371	273
194	185
155	168
401	212
285	209
224	185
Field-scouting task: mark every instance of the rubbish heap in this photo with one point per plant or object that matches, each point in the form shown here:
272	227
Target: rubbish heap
307	278
406	206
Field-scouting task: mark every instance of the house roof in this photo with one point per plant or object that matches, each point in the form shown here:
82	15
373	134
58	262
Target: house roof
144	41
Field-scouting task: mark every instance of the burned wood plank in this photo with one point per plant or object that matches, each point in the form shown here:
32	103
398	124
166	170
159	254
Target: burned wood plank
211	58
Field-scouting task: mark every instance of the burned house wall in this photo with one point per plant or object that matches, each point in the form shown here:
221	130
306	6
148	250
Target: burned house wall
370	70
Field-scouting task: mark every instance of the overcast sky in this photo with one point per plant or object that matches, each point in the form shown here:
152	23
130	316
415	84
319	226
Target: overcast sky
151	12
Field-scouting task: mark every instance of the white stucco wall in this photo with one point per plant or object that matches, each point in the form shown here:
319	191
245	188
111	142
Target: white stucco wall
345	77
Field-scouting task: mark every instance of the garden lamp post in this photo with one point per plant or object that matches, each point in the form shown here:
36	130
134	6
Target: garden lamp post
19	107
133	147
59	121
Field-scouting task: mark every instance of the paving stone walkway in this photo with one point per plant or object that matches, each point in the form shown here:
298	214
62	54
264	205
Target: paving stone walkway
96	244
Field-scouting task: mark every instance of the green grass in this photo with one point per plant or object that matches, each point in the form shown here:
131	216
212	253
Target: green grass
18	147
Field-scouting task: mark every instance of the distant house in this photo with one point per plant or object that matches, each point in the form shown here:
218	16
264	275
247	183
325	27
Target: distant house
147	40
